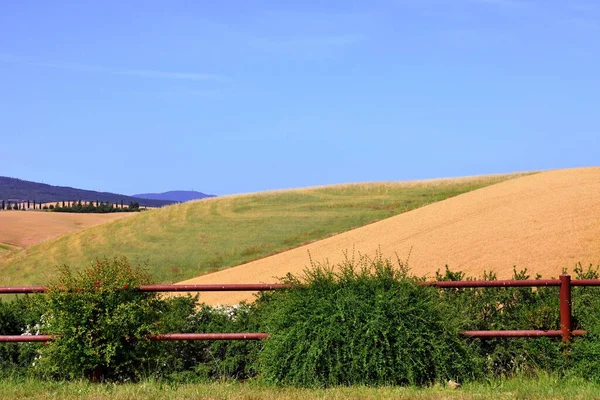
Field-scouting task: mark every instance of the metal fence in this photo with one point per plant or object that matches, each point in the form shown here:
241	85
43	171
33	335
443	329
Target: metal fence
159	288
565	284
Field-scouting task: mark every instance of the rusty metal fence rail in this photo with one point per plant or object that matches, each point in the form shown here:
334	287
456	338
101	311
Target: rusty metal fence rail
565	284
159	288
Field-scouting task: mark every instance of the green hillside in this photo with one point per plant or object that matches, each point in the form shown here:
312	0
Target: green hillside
186	240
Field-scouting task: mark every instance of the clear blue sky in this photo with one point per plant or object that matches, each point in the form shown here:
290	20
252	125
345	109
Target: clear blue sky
228	97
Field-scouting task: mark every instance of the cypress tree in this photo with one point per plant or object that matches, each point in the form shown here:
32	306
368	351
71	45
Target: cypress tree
3	204
27	203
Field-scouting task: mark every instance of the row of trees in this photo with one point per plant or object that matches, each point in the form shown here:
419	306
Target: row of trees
73	206
99	207
18	205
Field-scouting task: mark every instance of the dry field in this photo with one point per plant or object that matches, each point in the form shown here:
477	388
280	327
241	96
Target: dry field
26	228
544	222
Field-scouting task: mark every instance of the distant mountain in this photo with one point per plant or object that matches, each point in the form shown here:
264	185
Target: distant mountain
175	195
17	189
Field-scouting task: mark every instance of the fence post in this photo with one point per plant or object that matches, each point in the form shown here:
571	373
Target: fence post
565	308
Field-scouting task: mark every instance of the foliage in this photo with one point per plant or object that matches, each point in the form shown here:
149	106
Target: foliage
21	316
370	324
508	309
585	351
192	361
102	208
100	319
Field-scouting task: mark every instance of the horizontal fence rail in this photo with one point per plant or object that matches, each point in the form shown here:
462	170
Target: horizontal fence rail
23	289
507	333
153	338
26	338
495	283
233	287
564	284
228	287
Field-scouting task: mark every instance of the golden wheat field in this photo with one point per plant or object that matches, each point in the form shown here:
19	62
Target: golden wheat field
26	228
544	222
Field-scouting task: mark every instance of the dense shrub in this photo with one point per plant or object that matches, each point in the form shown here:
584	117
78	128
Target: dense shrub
20	316
508	309
370	323
585	351
202	360
100	320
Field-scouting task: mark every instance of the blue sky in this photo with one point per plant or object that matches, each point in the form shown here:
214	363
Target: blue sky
238	96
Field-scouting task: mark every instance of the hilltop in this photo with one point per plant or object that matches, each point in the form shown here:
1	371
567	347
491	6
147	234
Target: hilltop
189	239
179	196
18	189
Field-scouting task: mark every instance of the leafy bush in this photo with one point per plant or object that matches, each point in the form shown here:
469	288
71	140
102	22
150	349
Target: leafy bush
191	361
370	323
585	351
21	316
508	309
100	320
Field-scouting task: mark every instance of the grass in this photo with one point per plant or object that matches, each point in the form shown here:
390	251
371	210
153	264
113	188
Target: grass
186	240
542	387
5	248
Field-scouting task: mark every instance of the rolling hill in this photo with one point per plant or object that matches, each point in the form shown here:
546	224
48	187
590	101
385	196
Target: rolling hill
18	189
179	196
185	240
544	222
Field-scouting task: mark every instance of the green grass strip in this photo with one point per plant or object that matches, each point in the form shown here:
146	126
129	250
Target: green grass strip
542	387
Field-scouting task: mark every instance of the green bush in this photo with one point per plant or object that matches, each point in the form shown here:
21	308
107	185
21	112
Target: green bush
370	323
100	319
585	350
20	316
191	361
508	309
